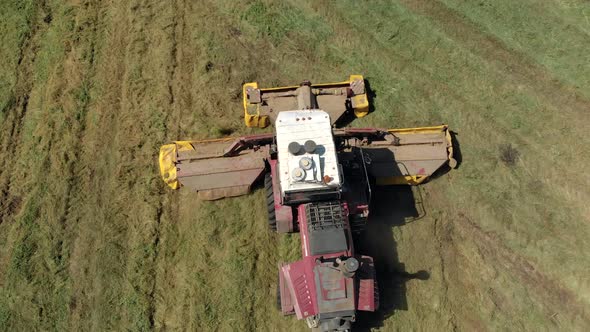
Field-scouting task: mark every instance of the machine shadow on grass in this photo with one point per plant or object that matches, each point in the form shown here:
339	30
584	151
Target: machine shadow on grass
456	148
391	206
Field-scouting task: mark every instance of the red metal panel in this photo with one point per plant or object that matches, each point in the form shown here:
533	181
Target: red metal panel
300	279
336	290
367	291
287	303
283	213
303	233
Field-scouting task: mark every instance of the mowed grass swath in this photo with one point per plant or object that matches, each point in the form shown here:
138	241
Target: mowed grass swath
90	238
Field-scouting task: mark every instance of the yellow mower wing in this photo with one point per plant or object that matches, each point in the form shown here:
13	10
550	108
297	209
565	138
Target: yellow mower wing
215	168
402	156
411	155
262	105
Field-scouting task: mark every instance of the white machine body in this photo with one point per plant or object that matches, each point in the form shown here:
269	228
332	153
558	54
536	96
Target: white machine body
304	170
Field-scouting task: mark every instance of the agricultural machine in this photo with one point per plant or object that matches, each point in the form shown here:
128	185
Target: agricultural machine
318	181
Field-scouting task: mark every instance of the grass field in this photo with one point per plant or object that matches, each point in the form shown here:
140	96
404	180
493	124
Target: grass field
91	239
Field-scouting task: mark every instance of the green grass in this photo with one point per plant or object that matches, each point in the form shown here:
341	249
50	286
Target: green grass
14	18
558	41
91	239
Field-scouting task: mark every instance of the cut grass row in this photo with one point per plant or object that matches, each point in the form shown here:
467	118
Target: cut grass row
43	151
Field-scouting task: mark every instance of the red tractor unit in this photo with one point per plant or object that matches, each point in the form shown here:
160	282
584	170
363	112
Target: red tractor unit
318	181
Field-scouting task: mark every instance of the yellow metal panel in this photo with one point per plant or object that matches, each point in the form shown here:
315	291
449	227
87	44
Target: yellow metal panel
252	116
167	160
431	129
360	102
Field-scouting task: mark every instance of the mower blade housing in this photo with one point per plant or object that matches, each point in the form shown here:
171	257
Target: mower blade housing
410	155
213	168
262	105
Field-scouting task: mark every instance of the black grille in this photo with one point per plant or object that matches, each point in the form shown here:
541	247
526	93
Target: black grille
324	216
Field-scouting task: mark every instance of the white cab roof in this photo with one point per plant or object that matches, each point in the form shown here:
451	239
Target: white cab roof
301	126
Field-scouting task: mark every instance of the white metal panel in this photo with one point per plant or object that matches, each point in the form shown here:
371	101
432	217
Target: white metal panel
300	126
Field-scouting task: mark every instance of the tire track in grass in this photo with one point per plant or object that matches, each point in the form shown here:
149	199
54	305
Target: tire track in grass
180	77
17	107
13	115
465	246
56	122
442	232
81	71
130	184
88	31
19	250
551	295
108	293
71	94
97	243
175	31
143	128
